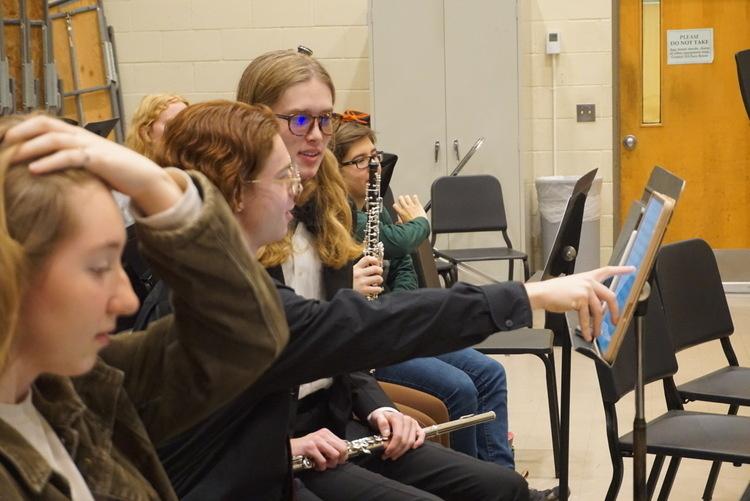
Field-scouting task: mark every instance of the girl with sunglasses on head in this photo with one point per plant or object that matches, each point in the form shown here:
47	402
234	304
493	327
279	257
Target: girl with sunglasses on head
79	409
466	381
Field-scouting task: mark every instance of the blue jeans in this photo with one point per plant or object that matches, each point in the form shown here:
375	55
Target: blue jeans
467	382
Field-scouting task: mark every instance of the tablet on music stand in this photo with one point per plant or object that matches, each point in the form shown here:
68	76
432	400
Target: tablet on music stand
640	252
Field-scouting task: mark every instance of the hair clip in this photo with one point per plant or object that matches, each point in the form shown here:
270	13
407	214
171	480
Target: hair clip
355	116
304	50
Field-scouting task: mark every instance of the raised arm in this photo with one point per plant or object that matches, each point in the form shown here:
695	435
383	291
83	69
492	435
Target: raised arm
228	325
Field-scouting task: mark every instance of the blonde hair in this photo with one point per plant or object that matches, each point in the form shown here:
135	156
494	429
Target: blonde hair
144	116
35	216
264	81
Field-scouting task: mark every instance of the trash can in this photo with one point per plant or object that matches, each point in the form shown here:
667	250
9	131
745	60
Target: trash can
553	193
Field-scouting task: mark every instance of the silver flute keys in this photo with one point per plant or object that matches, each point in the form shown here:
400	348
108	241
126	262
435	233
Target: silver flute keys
374	204
367	445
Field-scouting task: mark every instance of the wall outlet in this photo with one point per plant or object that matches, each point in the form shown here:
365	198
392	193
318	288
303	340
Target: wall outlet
586	113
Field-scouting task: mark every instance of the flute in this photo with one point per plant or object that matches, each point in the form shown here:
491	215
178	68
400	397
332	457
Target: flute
366	445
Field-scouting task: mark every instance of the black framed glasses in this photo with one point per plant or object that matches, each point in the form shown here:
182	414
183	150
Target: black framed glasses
300	124
362	161
292	180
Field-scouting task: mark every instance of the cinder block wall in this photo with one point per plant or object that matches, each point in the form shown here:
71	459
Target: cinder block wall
583	76
199	48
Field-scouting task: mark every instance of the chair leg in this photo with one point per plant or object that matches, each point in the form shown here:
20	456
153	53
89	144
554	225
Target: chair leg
526	273
713	476
666	487
653	476
616	482
554	411
454	275
511	265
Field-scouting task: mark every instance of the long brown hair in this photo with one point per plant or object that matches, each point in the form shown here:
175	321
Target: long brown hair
35	216
144	116
264	81
227	141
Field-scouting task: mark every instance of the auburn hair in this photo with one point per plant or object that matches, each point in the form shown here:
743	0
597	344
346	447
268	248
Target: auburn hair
227	141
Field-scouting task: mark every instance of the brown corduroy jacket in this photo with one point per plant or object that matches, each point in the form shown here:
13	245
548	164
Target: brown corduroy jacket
149	386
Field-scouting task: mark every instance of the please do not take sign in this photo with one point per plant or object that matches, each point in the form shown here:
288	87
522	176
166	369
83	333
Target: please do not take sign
690	46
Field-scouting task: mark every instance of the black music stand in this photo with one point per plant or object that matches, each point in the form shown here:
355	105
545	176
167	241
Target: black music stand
562	261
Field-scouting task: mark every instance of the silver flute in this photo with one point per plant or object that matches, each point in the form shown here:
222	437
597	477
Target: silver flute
374	204
367	445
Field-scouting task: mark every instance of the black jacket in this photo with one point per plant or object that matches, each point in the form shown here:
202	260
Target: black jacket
242	451
356	393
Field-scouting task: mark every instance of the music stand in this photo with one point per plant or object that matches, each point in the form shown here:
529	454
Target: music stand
562	260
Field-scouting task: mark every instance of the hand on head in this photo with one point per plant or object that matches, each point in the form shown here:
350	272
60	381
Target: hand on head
50	144
582	292
368	276
408	207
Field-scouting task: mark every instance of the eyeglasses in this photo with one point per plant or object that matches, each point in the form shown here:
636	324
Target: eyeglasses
363	161
292	180
300	124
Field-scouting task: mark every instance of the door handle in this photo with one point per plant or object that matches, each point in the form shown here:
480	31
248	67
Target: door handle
455	148
630	142
437	150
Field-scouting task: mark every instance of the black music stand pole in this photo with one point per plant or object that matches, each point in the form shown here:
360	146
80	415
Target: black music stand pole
639	422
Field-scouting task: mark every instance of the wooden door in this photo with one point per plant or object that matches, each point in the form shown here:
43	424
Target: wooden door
688	118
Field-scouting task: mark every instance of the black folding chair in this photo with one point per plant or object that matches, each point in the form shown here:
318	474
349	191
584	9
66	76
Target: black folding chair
677	433
743	73
472	204
697	312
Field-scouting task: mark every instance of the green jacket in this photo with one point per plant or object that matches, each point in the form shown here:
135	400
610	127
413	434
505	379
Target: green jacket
149	386
399	241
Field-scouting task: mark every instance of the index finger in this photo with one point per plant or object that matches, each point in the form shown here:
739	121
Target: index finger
605	272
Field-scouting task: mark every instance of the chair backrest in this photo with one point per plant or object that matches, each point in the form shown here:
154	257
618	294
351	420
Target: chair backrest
465	204
659	359
694	300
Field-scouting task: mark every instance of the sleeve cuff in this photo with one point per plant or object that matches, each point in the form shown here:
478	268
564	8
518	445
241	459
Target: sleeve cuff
509	305
186	209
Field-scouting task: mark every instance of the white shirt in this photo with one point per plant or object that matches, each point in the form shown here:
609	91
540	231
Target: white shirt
303	272
36	430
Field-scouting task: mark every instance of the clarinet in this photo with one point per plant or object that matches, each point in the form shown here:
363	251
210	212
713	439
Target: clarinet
367	445
374	204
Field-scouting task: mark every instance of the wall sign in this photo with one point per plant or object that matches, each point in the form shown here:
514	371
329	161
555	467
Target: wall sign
690	46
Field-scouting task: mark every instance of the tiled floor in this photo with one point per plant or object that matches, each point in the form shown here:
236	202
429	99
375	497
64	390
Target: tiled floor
590	466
